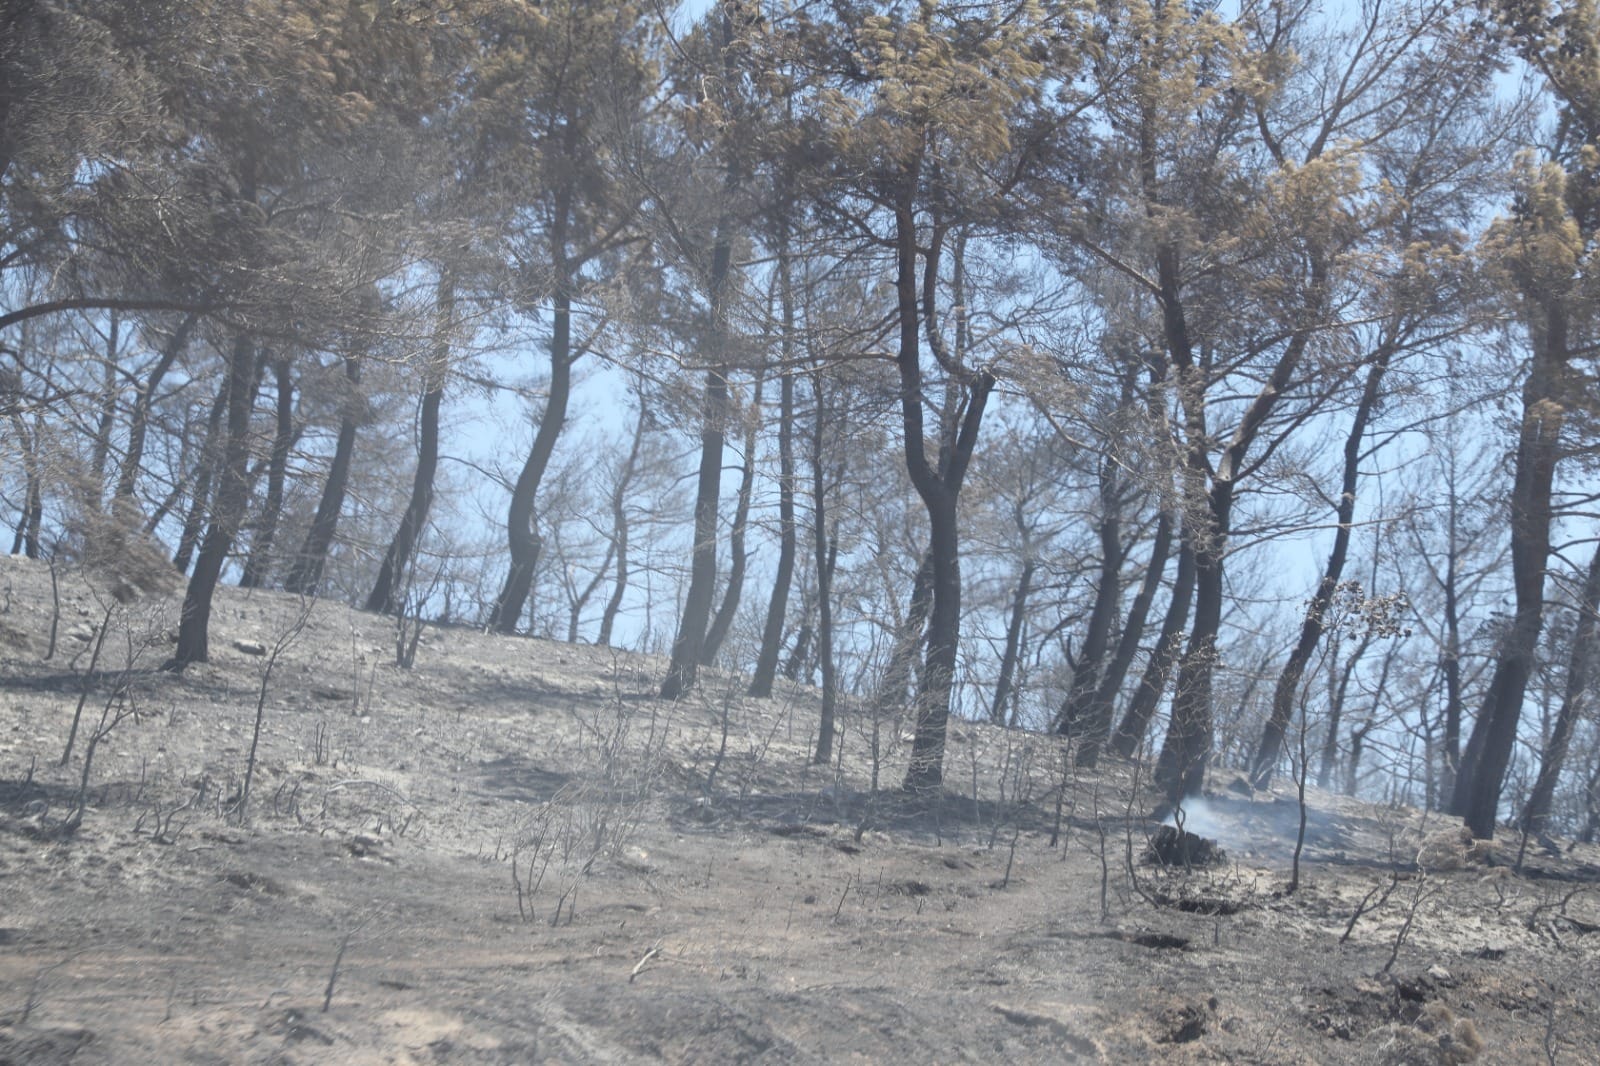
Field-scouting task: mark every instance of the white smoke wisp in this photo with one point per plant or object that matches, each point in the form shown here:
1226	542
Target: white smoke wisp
1200	818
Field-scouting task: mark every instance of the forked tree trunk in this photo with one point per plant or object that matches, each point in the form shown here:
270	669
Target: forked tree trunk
144	398
689	644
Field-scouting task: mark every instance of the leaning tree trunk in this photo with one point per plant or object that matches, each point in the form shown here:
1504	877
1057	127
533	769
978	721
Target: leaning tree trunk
305	576
723	621
385	597
1181	767
259	560
522	524
1072	718
1158	668
689	644
1574	702
778	606
1488	752
1102	709
1315	622
227	511
1013	648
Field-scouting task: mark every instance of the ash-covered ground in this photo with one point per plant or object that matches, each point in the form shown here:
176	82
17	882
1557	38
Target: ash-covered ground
512	852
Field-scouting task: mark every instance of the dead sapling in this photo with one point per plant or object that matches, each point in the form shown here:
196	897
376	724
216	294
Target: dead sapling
284	638
338	960
1301	771
1424	891
120	706
1370	903
90	674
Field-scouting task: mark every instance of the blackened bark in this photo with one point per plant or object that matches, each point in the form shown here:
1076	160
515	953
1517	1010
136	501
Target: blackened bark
723	621
1013	648
305	576
689	643
619	529
259	561
1072	719
210	453
1181	767
227	512
800	653
384	597
1488	752
824	561
522	522
1574	703
1314	625
1102	709
940	488
778	605
1158	668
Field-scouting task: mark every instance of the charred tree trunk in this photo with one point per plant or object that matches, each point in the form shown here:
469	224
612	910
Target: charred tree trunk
1158	668
384	597
1181	767
1072	719
619	530
1315	622
723	621
305	577
778	606
689	644
522	521
227	512
1102	708
1488	752
31	520
259	561
824	561
1013	648
1574	703
210	452
939	488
